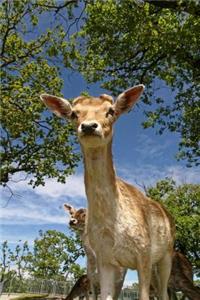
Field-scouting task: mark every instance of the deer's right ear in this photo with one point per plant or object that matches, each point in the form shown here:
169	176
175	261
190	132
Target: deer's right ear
61	107
127	99
70	209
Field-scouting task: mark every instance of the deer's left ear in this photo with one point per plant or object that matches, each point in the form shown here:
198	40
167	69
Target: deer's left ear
69	209
127	99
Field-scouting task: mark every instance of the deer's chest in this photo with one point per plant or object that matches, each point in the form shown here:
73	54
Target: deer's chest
117	241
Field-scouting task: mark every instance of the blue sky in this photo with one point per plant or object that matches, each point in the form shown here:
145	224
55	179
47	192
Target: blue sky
140	156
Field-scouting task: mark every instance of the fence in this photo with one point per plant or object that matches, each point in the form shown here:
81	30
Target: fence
131	294
36	286
50	287
55	288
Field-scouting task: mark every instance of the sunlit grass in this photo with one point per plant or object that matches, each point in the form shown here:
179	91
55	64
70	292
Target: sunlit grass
30	296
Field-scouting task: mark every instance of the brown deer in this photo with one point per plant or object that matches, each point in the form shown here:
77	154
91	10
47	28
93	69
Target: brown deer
125	228
181	278
80	289
77	222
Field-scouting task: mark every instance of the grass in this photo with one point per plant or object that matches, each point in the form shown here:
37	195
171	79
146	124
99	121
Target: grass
30	297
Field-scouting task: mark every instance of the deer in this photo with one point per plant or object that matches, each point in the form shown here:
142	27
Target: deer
181	278
80	289
77	222
125	228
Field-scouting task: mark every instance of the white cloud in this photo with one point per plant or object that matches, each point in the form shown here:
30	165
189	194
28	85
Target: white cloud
149	147
74	187
184	175
20	239
31	209
25	215
148	175
42	205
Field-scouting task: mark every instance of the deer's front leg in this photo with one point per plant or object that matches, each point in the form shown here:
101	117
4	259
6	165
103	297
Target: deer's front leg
144	268
107	281
91	266
92	273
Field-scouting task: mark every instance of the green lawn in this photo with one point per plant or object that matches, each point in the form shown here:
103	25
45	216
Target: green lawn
30	297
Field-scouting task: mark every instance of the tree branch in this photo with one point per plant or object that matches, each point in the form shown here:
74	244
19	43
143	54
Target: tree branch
58	7
150	66
185	5
7	30
126	64
11	26
10	197
76	21
29	53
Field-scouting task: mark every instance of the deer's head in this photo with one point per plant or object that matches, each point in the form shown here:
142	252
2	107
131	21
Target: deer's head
77	217
94	117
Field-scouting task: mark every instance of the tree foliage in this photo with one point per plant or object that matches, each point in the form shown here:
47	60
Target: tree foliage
126	42
189	6
183	202
21	257
14	262
120	43
33	36
4	262
55	255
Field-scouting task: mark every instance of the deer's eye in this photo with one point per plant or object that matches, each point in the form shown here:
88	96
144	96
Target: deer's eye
74	115
110	112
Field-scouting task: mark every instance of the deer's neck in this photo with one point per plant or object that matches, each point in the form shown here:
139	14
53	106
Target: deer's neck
100	178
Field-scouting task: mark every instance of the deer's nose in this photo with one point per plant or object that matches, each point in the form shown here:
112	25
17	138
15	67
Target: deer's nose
89	127
72	222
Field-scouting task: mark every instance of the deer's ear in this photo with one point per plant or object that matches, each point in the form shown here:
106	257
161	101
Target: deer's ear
127	99
70	209
61	107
